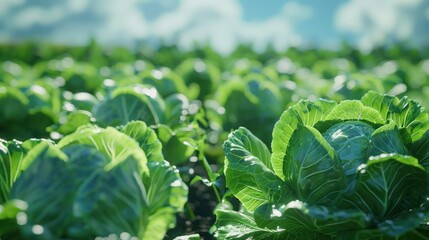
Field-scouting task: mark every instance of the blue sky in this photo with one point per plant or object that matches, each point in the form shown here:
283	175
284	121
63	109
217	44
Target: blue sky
222	23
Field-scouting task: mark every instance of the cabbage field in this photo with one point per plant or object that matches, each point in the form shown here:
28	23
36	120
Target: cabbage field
113	143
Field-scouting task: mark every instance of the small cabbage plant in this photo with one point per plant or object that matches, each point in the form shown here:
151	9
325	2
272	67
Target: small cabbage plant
357	169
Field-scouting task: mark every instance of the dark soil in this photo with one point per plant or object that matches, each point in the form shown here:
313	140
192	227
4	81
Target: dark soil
198	216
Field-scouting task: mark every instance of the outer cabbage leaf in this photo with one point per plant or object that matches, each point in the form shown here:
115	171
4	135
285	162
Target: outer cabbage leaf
146	138
421	151
305	113
71	122
49	167
12	162
354	110
84	161
249	174
10	166
388	185
404	227
297	216
407	113
166	196
407	225
115	145
179	144
110	202
125	104
420	233
312	168
238	226
386	139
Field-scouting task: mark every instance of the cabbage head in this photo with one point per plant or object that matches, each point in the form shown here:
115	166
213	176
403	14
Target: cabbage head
357	169
95	183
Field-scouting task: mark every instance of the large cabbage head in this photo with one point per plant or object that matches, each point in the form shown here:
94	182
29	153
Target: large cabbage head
357	169
96	183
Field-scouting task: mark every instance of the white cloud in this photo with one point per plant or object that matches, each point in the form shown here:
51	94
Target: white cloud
6	5
77	5
295	10
220	23
124	22
201	21
75	21
32	16
375	22
280	29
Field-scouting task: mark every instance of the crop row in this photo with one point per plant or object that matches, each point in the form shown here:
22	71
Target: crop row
109	143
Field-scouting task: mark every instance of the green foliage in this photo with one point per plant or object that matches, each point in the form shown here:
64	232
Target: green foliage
34	105
252	101
83	122
95	182
338	170
12	163
200	75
